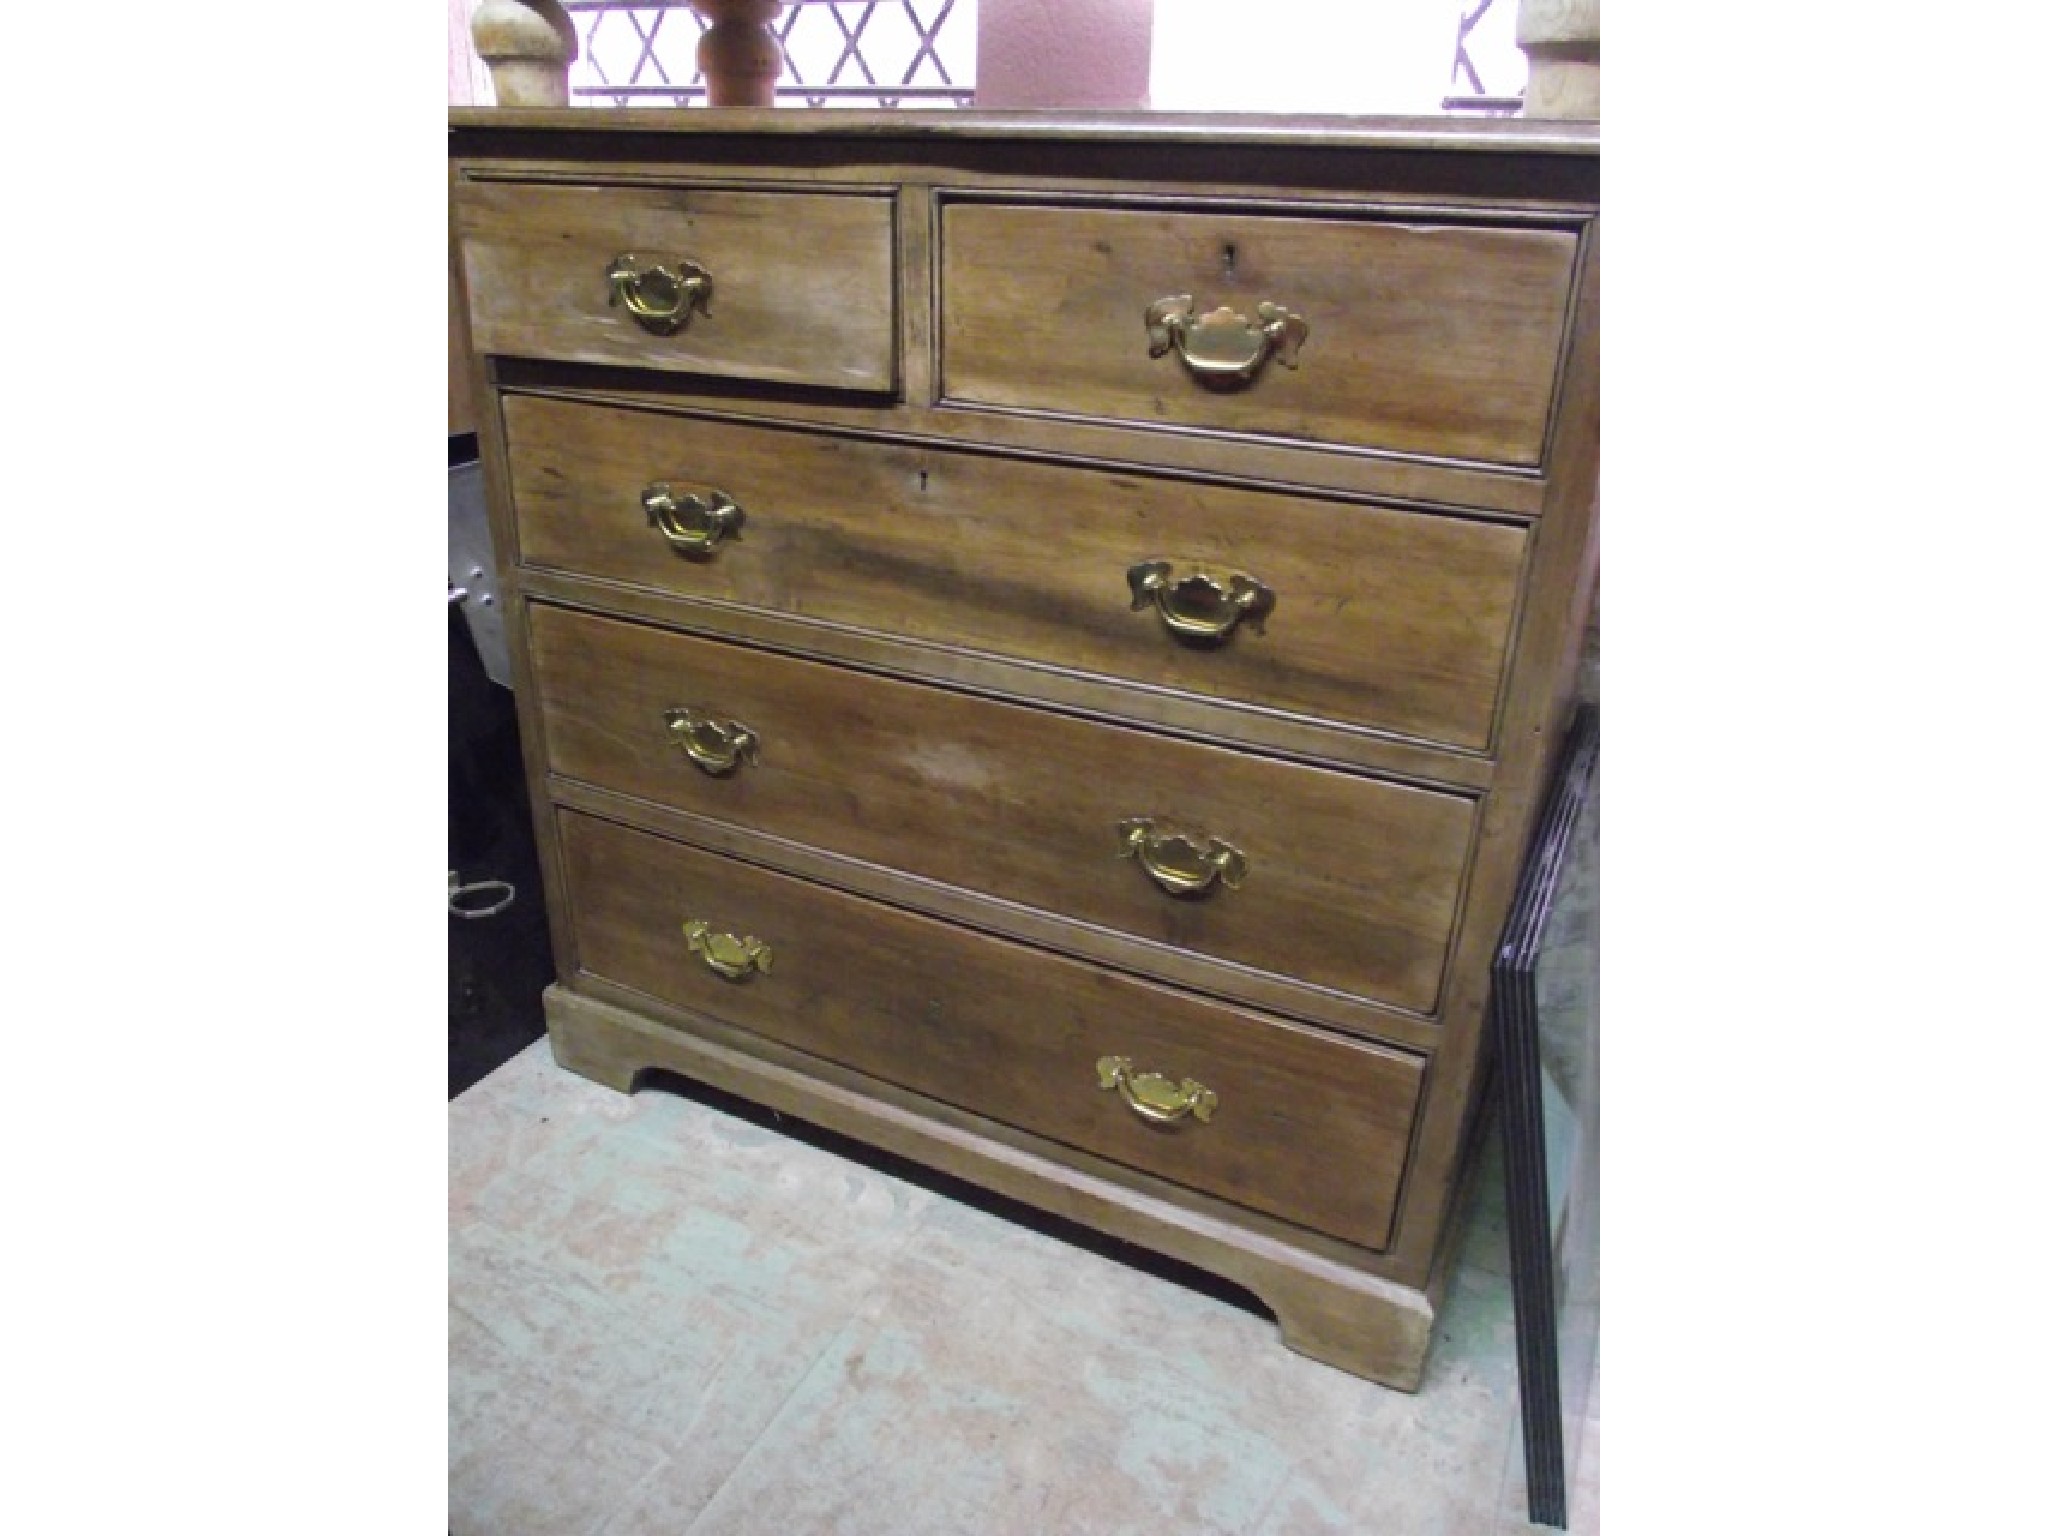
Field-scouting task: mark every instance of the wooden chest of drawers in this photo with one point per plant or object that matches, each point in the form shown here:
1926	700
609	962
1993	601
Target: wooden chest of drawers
1039	639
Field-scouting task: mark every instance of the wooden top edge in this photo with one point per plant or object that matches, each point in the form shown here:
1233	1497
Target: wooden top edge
1434	133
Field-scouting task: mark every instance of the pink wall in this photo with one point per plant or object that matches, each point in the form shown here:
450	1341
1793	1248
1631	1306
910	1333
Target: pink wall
469	83
1064	53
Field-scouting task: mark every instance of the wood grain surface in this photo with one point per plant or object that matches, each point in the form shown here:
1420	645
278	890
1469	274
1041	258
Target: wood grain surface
803	284
1429	339
1306	1126
1055	132
926	376
1392	620
1353	881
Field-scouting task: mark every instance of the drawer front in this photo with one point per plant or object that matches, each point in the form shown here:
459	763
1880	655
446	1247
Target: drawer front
802	286
1348	882
1305	1127
1396	621
1428	339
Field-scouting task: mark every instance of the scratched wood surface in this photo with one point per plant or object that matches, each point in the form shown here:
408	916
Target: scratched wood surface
1353	881
1007	1031
803	284
1392	620
1433	339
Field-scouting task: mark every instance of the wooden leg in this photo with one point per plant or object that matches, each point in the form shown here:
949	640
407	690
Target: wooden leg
583	1045
1562	41
1360	1325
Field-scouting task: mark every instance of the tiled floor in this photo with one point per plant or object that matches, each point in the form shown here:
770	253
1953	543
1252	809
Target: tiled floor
667	1317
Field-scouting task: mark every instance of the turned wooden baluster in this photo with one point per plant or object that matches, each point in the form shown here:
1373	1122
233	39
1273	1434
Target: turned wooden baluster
528	45
1562	41
738	53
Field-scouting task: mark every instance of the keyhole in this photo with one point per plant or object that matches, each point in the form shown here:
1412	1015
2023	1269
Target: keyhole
923	481
1230	263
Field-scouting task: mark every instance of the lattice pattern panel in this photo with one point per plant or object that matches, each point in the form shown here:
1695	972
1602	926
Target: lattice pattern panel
1486	57
836	53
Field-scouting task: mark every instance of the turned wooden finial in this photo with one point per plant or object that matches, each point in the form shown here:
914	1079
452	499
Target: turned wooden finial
528	45
738	53
1562	41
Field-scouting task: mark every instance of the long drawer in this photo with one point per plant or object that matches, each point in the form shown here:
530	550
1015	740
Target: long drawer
1391	620
797	288
1416	336
1347	882
1308	1128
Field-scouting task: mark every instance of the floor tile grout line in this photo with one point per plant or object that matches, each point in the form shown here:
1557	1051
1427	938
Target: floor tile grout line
856	1314
481	1324
1280	1486
774	1419
625	1500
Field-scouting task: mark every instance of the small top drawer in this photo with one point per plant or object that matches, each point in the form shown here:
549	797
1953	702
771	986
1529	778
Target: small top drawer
789	287
1411	337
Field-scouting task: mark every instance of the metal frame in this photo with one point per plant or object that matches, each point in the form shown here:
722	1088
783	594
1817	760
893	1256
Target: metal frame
1476	99
872	91
1514	1021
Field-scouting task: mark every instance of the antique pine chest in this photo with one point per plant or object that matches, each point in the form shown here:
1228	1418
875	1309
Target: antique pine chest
1039	639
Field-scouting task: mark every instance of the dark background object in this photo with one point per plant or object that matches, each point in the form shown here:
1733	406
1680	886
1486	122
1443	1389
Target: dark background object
1545	1016
497	965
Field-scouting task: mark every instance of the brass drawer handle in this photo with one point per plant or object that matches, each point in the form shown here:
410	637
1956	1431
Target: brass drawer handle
1180	863
732	957
1198	605
715	744
659	299
1153	1095
692	524
1223	346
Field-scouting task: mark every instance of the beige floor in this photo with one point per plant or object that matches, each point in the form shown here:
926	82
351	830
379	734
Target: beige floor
667	1319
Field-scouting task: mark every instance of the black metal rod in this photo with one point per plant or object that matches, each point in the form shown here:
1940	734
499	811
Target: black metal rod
842	92
1512	1017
